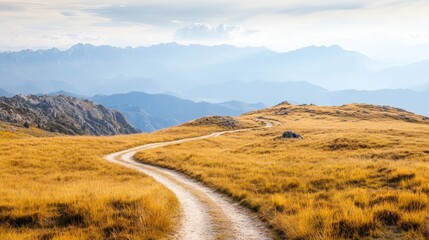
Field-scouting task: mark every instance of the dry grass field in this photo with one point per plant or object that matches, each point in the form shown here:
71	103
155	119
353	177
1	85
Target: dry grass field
9	131
61	188
359	172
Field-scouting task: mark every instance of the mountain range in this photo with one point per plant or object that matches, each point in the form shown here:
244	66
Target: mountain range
403	76
88	69
272	93
150	112
422	87
216	74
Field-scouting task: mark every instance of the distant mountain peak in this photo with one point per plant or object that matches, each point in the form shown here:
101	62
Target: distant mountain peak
81	47
336	47
322	49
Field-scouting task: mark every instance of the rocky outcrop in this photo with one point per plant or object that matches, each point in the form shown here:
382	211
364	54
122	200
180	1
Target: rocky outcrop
64	114
290	134
221	121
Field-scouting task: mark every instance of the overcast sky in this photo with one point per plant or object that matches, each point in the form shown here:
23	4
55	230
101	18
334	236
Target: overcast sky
393	30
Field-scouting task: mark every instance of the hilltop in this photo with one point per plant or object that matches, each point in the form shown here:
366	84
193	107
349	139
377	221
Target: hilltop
63	114
358	171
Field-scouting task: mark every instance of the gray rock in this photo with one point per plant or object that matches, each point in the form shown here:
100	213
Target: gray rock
290	134
64	114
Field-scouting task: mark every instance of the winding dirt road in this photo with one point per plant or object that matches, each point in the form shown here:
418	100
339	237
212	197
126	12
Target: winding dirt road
205	214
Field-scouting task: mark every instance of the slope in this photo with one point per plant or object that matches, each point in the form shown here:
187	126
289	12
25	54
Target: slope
63	114
358	172
11	131
61	187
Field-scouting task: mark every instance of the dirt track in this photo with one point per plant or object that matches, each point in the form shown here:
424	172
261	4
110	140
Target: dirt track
205	214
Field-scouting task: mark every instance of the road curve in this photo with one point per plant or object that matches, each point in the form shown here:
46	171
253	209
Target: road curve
205	214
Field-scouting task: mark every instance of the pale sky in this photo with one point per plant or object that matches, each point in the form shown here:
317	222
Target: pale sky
396	31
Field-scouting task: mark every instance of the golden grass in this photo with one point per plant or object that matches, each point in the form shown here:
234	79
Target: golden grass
62	188
10	131
360	171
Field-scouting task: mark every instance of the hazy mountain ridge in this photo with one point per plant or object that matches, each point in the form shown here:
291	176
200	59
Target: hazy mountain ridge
214	73
425	86
258	91
414	101
86	68
63	114
150	112
416	73
302	92
4	93
332	67
90	69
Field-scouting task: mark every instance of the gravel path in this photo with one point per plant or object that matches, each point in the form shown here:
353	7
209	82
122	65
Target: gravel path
205	214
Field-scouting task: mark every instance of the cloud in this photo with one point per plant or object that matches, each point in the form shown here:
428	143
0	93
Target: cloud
202	31
7	7
161	14
249	32
68	13
310	9
72	37
404	3
232	12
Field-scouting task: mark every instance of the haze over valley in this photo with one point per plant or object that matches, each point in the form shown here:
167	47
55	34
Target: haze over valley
222	73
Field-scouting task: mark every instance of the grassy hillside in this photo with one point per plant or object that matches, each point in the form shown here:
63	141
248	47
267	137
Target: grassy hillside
360	171
61	188
10	131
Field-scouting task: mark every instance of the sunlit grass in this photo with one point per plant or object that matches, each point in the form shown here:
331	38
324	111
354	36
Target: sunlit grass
62	188
360	171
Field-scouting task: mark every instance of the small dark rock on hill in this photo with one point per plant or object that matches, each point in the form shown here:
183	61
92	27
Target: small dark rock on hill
290	134
63	114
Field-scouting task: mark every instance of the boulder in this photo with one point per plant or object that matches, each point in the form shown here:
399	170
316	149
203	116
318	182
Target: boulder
290	134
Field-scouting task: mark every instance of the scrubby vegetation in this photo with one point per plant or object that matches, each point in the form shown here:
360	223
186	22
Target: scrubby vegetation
10	131
360	171
61	188
224	123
